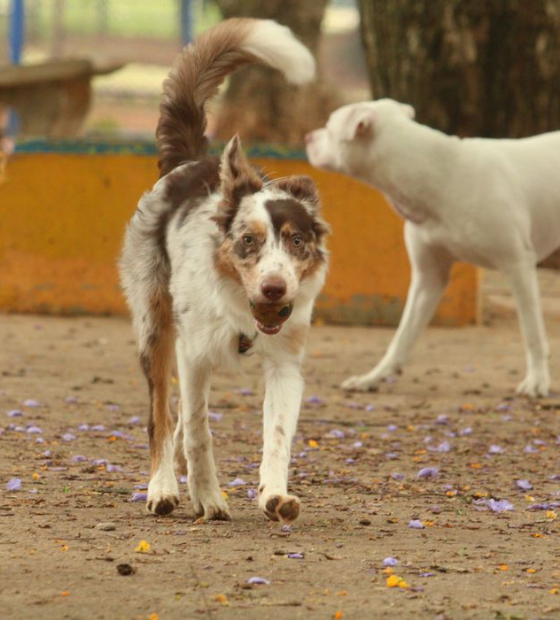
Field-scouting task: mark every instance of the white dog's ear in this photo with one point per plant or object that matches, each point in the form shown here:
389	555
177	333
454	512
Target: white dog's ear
408	110
360	126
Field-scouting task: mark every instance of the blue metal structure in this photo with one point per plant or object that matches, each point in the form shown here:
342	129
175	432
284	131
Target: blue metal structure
186	22
16	38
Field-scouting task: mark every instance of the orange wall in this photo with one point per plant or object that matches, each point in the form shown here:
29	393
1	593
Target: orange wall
62	217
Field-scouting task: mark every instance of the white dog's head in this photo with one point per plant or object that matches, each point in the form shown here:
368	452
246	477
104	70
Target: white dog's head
352	133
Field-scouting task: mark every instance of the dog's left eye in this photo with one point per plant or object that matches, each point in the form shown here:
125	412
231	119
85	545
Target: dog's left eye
248	240
297	241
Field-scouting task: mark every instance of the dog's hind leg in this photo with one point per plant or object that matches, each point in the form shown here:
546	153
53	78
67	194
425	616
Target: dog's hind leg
156	339
525	287
430	274
204	488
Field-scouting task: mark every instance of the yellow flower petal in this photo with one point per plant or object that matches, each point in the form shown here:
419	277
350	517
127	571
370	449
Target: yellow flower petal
142	547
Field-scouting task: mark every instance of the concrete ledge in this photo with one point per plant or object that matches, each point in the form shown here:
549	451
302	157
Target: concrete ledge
63	209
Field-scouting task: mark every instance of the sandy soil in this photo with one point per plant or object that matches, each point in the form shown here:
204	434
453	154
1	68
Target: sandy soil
356	464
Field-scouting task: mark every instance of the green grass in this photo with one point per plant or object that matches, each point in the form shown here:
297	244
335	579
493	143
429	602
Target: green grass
127	18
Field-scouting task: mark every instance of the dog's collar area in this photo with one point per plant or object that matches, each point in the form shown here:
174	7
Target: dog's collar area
245	343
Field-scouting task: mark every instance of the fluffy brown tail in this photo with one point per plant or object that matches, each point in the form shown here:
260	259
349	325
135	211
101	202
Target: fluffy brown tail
201	68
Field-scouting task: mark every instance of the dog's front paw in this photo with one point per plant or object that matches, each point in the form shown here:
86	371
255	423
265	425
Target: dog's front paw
283	508
212	506
535	384
162	498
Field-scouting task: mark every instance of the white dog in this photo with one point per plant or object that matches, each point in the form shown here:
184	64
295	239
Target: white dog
216	261
493	203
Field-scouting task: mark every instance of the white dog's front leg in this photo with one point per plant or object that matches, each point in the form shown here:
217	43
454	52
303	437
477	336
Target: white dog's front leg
430	274
525	286
204	488
284	390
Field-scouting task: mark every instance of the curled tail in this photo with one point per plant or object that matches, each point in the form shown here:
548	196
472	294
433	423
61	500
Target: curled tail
201	68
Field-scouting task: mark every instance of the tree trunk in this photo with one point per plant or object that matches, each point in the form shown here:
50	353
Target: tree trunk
258	103
487	68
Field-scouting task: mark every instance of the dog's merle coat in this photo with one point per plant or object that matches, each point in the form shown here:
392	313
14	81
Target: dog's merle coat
213	256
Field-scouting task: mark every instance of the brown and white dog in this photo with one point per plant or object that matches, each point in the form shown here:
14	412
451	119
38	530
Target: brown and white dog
216	257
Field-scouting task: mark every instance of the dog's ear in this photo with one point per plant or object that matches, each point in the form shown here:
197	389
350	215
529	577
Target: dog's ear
301	187
360	125
408	110
238	179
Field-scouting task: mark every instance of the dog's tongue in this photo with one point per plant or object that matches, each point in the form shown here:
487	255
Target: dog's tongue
269	330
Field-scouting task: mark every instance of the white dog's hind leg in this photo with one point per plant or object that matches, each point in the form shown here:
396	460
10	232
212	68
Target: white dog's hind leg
204	488
284	390
525	286
430	274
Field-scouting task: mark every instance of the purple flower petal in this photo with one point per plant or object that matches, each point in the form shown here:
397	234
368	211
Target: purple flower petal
390	561
140	487
213	415
112	407
295	556
71	400
252	493
68	437
286	528
139	497
34	430
524	485
529	449
14	484
30	402
397	476
14	413
465	431
501	505
428	472
79	458
494	449
39	440
314	400
544	506
392	428
442	419
237	482
183	479
443	447
135	419
336	434
83	427
416	524
245	391
98	428
258	581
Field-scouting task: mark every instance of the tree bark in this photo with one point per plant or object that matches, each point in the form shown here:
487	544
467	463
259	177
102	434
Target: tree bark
488	68
259	104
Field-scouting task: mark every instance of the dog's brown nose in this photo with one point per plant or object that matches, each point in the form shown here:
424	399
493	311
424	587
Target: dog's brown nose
273	288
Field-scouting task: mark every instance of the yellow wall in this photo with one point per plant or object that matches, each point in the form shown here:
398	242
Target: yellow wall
62	217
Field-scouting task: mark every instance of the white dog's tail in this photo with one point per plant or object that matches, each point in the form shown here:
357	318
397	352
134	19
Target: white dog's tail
201	68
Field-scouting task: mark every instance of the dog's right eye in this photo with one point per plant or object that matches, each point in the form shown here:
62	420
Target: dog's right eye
248	240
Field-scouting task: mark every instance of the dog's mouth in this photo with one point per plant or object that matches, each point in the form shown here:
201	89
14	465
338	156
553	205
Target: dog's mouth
270	318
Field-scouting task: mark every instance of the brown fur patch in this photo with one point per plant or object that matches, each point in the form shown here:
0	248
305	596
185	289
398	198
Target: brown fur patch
155	359
224	261
195	78
239	179
296	339
300	187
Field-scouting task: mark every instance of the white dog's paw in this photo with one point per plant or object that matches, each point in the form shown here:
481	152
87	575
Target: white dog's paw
535	384
163	497
211	505
277	507
364	383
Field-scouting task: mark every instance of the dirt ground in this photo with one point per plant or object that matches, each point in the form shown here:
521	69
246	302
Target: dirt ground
81	455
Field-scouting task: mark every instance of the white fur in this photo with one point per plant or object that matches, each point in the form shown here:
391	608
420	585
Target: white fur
276	46
493	203
210	312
